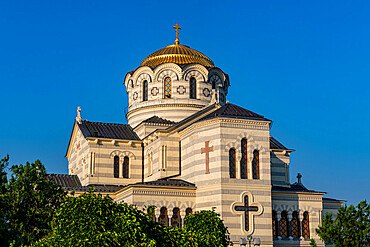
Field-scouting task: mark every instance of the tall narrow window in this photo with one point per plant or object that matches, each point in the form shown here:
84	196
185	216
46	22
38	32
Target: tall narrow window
145	90
116	166
294	224
243	162
193	88
150	164
163	217
175	220
126	164
167	88
256	164
188	211
306	225
284	224
232	168
274	224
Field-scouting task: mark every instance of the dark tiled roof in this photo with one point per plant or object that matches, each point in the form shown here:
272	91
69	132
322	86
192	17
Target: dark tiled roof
234	111
274	144
331	200
293	188
158	120
108	130
64	180
98	188
168	182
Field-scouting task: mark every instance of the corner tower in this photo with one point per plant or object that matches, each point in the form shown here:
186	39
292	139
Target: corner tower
174	83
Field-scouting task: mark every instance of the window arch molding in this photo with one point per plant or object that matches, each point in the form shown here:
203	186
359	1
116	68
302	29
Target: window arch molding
143	77
199	76
122	154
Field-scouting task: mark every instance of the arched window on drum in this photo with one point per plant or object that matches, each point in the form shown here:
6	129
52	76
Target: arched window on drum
145	90
193	88
232	163
167	88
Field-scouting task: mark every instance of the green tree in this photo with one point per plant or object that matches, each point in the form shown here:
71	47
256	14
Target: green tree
208	227
94	220
31	200
4	233
351	227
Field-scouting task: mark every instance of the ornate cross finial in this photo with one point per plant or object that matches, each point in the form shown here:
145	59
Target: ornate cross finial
177	27
299	176
78	118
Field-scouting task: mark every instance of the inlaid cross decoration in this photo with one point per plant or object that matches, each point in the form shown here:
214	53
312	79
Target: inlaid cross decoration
247	209
206	150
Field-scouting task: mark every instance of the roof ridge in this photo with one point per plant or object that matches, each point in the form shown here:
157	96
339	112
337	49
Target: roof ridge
105	123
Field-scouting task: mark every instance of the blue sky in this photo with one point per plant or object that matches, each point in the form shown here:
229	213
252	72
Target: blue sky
303	64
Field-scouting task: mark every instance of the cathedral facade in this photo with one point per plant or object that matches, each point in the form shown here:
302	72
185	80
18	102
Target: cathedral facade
186	148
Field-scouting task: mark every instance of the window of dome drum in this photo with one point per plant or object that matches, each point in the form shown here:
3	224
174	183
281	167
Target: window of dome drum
116	166
232	169
243	162
193	88
125	167
167	88
256	165
163	218
145	90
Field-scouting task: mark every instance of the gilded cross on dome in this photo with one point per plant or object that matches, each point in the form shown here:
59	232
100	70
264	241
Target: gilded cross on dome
177	41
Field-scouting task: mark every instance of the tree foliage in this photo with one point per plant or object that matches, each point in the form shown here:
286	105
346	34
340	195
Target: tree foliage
94	220
208	227
30	200
351	227
4	233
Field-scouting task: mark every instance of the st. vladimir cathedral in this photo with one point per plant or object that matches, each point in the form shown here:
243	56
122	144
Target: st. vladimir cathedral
186	148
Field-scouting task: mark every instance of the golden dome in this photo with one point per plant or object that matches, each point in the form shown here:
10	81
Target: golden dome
179	54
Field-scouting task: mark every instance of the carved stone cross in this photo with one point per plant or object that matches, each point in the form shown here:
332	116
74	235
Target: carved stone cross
207	149
248	209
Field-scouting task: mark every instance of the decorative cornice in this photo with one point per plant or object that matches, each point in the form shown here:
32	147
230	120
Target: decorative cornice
164	105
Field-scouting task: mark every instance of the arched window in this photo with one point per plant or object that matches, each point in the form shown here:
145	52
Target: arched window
126	163
176	220
243	162
306	225
256	164
167	88
284	224
193	88
116	166
188	211
163	218
294	224
232	168
274	224
145	90
150	164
